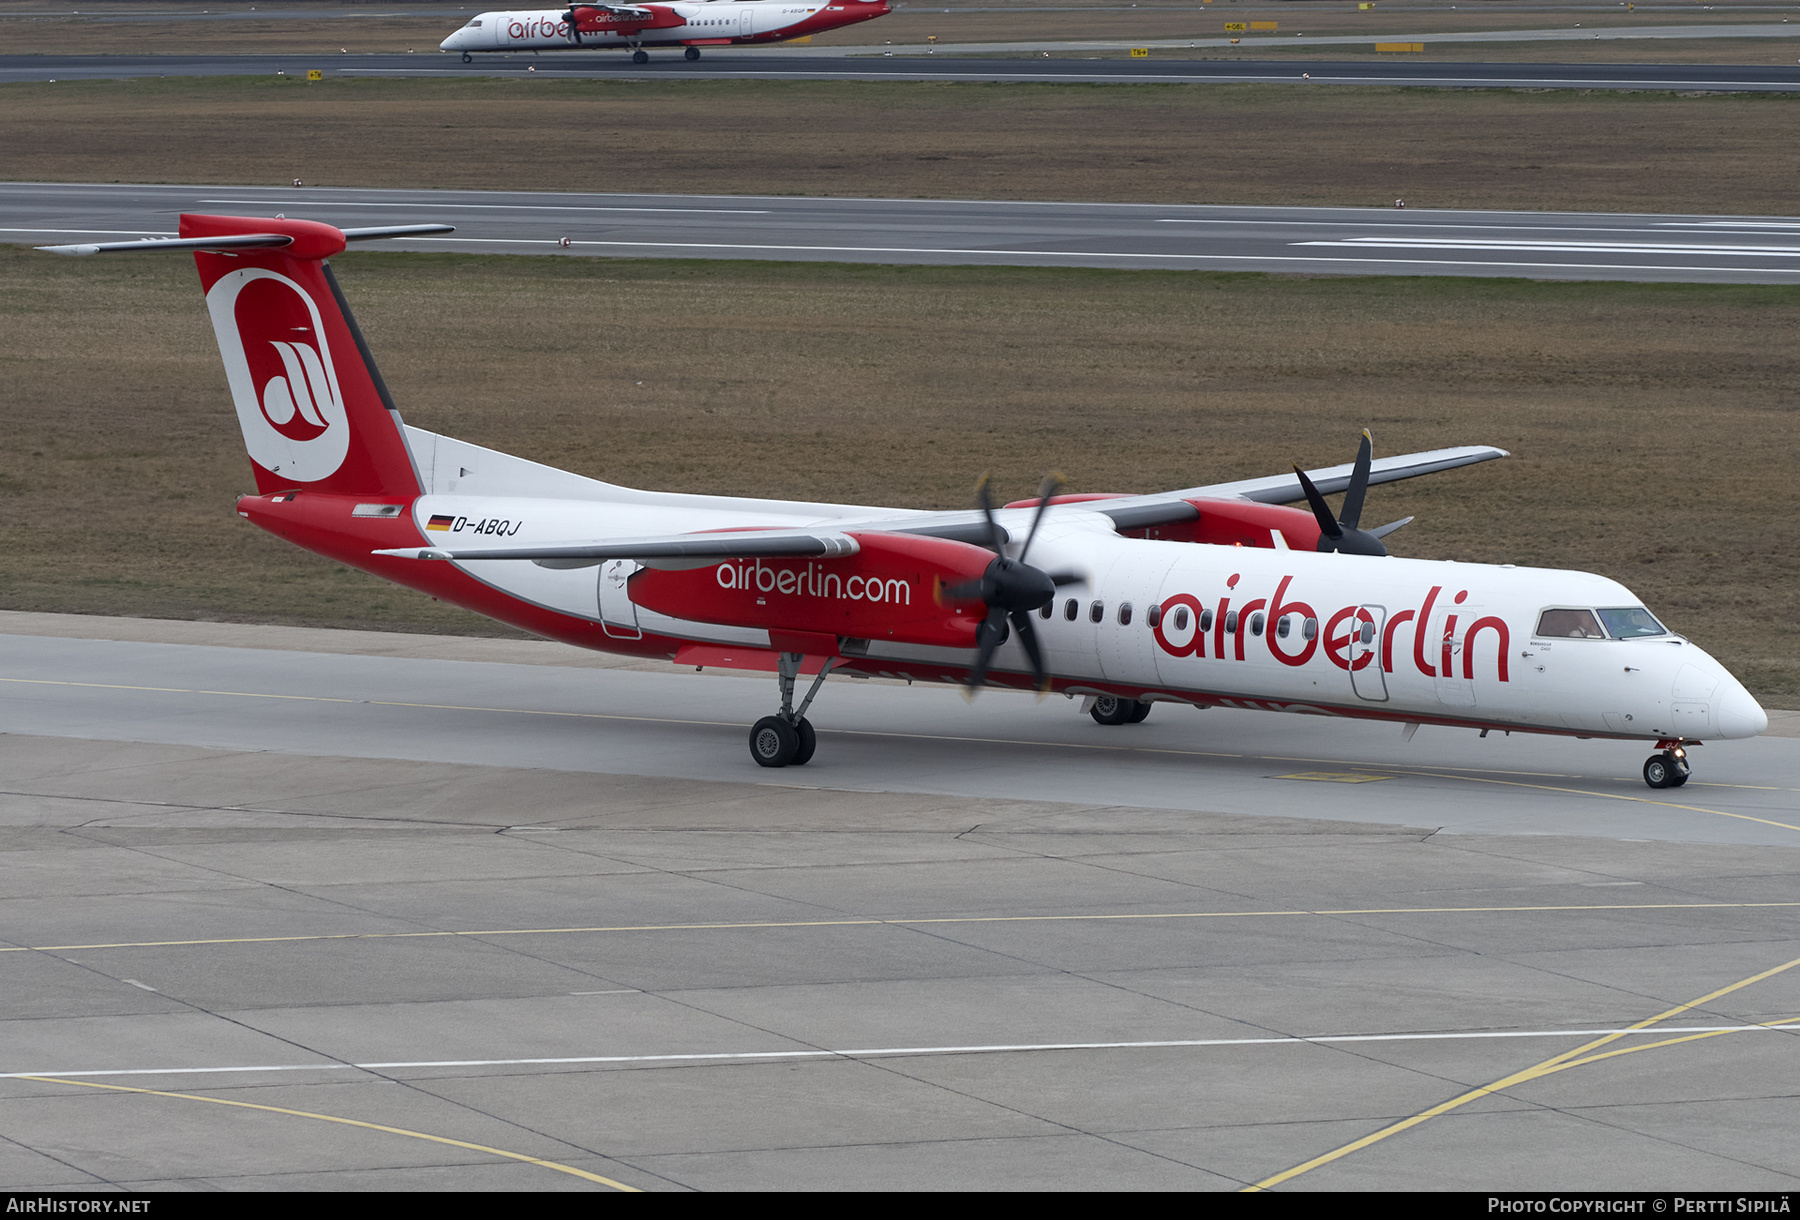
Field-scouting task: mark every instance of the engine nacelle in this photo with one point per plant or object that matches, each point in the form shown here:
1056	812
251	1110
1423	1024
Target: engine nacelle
1241	523
892	589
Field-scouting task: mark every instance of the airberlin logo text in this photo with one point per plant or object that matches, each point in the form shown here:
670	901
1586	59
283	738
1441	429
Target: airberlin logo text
1354	638
813	581
538	27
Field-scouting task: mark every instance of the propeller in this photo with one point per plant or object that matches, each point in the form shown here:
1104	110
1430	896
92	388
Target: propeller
1011	589
1340	533
573	18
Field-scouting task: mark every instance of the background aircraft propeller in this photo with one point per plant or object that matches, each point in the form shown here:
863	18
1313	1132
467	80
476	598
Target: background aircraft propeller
1011	589
1340	533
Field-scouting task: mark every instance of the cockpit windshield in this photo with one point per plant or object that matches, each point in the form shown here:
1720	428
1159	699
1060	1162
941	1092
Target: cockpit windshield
1631	622
1569	625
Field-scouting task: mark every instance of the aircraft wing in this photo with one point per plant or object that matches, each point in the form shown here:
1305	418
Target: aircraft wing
1139	512
672	551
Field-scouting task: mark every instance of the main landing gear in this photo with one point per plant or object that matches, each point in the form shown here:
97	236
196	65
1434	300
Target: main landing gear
1668	769
1113	709
692	53
640	57
786	739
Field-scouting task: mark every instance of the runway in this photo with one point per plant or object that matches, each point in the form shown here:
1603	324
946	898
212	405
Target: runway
362	911
873	63
1350	241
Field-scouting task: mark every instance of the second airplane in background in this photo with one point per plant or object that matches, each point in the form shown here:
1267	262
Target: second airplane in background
711	23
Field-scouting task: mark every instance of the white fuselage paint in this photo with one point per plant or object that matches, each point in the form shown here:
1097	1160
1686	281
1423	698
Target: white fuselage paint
546	29
1451	642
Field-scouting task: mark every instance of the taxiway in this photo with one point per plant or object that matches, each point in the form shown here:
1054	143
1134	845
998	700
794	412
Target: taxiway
307	909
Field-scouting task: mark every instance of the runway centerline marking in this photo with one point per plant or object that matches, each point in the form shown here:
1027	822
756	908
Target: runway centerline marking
540	1162
901	922
1440	772
1691	1033
1556	1063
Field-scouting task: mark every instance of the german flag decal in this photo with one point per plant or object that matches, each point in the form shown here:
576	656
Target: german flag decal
440	522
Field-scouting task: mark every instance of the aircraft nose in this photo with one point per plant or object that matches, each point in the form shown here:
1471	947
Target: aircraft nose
1740	715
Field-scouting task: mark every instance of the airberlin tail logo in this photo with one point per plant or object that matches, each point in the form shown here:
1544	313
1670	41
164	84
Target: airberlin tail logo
283	383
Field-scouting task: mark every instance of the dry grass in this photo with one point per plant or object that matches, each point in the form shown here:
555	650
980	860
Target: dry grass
1654	426
1556	150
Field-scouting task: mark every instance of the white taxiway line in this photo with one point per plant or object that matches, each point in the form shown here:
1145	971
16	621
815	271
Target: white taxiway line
1095	254
908	1051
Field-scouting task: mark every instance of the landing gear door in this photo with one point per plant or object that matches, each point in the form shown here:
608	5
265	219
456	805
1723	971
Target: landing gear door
618	615
1364	654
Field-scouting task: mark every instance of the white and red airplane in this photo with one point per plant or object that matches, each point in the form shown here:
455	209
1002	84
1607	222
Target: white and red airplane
1210	596
705	23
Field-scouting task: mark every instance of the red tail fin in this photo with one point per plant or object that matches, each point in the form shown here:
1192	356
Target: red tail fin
312	405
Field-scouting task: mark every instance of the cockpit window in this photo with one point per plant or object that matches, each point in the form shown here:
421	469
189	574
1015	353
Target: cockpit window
1570	625
1631	622
475	24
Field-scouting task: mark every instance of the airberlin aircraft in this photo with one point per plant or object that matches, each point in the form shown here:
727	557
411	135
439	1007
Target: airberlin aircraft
707	23
1211	596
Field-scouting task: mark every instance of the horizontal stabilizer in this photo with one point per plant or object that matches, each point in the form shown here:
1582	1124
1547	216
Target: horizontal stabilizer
675	552
236	241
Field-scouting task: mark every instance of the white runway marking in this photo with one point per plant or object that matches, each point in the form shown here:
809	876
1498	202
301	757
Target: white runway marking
1558	247
909	1051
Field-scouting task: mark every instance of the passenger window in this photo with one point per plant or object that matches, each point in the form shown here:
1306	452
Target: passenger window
1097	612
1071	610
1231	623
1047	609
1569	625
1206	620
1256	623
1153	616
1310	629
1368	633
1630	623
1124	614
1282	627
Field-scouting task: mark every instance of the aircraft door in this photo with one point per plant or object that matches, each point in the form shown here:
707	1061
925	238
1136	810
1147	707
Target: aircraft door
1364	654
1126	646
618	613
1447	640
744	20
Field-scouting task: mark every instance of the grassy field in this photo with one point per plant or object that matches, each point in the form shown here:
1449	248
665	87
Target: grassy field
1553	150
1654	427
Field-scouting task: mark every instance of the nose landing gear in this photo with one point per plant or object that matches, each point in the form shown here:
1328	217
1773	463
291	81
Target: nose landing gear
1670	768
692	53
787	739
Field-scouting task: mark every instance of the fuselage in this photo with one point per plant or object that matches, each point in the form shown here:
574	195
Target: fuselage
1494	647
713	23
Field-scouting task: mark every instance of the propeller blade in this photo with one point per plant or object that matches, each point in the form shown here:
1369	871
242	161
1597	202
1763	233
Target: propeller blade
987	639
1390	527
996	540
1351	514
1053	482
1328	526
1059	579
1028	640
